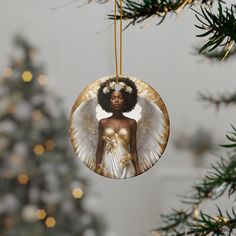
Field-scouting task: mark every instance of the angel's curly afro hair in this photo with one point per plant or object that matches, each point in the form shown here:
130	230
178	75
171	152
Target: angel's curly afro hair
130	99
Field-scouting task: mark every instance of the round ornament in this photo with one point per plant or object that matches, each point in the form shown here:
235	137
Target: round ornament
119	128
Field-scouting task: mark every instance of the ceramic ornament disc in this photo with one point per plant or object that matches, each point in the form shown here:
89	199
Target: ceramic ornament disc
119	129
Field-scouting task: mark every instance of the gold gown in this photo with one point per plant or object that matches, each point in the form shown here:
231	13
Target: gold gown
116	160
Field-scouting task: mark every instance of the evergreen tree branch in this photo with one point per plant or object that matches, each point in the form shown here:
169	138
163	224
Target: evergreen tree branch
215	55
228	99
213	225
138	12
220	28
175	221
222	177
181	223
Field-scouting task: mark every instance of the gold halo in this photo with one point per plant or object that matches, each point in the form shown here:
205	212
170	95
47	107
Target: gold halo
144	90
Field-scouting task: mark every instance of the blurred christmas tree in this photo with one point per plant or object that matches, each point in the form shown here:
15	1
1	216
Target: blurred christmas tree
42	192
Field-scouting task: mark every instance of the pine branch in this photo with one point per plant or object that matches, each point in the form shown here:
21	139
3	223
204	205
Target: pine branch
220	28
231	136
217	225
138	12
229	99
222	177
181	223
215	55
175	221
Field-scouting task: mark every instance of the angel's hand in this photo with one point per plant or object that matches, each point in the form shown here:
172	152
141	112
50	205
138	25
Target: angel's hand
99	169
137	172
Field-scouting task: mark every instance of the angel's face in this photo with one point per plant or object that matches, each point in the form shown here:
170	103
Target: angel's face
117	101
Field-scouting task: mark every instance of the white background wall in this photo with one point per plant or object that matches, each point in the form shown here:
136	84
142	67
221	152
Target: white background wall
163	57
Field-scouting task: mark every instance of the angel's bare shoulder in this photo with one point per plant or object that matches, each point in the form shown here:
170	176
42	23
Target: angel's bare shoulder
103	121
132	122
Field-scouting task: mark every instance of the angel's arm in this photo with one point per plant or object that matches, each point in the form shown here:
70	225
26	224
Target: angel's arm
100	146
133	148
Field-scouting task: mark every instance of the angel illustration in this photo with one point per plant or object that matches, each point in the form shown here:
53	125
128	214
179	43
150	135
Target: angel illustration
118	146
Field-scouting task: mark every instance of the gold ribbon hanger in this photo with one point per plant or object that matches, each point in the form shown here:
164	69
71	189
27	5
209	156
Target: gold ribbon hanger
115	41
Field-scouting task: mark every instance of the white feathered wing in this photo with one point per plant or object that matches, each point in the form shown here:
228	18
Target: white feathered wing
85	132
150	128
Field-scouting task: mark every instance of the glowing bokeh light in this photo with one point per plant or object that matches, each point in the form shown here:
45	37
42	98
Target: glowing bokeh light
27	76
